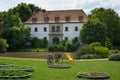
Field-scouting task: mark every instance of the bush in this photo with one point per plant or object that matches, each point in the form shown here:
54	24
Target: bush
114	57
95	44
61	48
39	43
53	48
103	52
3	45
86	49
116	51
68	46
87	56
95	49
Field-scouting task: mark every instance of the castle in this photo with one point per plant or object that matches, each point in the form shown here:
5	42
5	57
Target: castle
56	26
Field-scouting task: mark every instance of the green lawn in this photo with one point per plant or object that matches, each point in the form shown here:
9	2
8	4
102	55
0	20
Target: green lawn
42	72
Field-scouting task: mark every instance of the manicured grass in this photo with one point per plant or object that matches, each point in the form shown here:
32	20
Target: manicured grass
42	72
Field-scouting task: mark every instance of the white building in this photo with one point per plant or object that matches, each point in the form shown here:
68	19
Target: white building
56	25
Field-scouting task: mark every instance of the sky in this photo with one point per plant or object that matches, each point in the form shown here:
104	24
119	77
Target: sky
86	5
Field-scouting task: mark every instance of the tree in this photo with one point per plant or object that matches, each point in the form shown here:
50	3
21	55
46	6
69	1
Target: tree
24	10
9	21
17	37
93	31
111	19
34	8
3	45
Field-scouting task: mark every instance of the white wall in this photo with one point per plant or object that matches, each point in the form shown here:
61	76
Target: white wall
40	33
71	33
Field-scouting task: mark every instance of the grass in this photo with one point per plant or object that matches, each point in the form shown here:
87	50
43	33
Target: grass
42	72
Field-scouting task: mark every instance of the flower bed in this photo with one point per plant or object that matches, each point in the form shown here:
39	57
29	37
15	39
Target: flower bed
11	71
2	64
59	66
17	68
93	75
14	74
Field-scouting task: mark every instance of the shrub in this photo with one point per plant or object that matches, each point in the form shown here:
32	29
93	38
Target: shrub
114	57
39	43
86	49
116	51
95	49
61	48
53	48
3	45
101	51
95	44
87	56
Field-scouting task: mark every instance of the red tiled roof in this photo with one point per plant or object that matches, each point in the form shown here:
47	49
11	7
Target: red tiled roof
58	16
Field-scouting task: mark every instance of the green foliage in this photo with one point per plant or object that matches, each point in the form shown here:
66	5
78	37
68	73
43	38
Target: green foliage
39	43
41	68
63	46
95	44
17	37
116	51
93	31
102	52
12	71
94	49
24	10
103	26
3	45
112	21
114	57
53	48
86	49
10	20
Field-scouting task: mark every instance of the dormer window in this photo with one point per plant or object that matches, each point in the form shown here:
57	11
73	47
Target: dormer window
46	19
80	18
34	19
67	18
57	19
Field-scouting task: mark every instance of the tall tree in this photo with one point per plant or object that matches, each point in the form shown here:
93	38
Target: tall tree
17	37
9	21
25	10
112	20
93	31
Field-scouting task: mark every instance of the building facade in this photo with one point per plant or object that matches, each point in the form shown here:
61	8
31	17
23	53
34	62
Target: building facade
56	26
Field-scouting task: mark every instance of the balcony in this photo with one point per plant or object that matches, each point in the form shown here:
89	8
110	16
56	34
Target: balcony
55	33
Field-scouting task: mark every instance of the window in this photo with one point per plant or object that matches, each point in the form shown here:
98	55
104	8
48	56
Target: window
53	28
76	28
76	39
45	38
58	28
80	18
67	18
34	19
66	38
56	19
46	19
36	29
45	29
66	28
